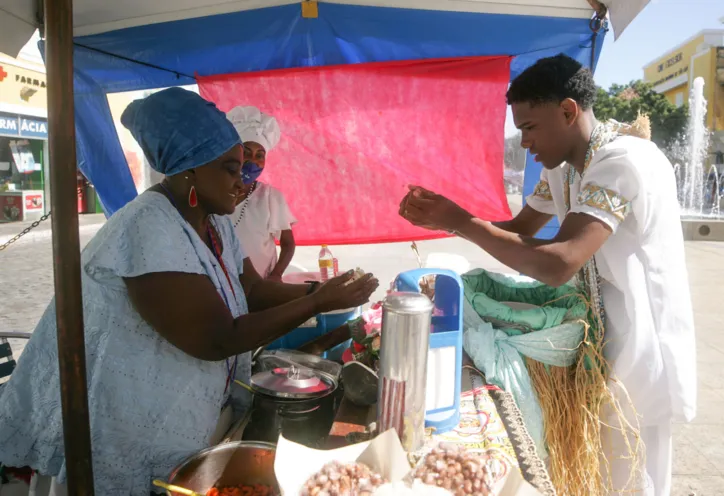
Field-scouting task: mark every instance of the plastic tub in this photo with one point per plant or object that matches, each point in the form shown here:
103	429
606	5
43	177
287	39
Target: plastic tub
325	322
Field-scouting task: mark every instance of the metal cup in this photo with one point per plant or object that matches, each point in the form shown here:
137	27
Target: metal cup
403	367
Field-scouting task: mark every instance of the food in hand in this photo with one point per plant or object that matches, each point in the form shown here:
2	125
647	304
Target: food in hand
243	490
356	275
337	479
459	471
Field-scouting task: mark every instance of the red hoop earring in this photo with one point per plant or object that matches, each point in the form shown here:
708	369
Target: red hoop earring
193	199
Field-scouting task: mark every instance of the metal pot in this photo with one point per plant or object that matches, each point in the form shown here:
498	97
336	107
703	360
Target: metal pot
228	464
299	403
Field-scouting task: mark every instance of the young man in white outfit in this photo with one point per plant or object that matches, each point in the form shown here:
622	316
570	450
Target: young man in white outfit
615	198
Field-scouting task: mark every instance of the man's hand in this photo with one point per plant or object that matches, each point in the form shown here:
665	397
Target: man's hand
423	208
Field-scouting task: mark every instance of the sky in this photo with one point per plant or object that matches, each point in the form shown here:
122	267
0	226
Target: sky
662	25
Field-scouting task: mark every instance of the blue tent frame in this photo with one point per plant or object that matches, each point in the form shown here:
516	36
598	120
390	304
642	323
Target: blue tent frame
171	53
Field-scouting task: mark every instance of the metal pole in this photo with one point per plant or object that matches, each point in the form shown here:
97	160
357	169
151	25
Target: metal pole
66	246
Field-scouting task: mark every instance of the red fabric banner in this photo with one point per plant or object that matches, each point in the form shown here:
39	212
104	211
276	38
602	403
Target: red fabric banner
354	137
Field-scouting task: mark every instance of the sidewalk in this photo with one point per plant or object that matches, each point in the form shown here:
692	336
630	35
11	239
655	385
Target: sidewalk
8	230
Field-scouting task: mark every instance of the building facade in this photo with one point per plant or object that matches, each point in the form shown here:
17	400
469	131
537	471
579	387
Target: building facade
673	73
24	161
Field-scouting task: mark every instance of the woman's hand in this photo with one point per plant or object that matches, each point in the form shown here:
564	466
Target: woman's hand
423	208
336	294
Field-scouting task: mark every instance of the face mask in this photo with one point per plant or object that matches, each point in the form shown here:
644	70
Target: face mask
250	172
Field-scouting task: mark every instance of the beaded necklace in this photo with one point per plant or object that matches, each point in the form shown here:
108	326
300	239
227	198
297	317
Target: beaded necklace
589	277
244	204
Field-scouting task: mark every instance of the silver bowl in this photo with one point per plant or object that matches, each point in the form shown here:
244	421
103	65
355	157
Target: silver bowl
228	464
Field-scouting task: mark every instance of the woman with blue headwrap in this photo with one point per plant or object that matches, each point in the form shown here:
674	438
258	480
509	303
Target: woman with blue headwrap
172	309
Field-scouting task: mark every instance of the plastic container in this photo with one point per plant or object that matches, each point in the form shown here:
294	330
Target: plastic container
326	263
325	323
445	351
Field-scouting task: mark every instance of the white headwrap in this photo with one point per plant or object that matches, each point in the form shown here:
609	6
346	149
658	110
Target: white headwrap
253	125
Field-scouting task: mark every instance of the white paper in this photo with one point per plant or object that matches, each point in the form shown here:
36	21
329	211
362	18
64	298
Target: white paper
296	463
386	456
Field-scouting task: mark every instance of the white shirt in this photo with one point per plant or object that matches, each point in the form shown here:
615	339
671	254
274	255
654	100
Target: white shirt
649	327
264	218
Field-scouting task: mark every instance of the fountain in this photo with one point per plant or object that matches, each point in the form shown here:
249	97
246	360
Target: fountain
713	191
698	196
697	148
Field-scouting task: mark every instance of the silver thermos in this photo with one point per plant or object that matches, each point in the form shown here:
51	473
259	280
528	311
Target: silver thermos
403	367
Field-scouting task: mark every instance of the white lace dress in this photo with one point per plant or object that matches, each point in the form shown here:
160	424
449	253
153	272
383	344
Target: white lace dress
151	405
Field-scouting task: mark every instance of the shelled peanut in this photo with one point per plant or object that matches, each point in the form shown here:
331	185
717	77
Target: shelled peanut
337	479
459	471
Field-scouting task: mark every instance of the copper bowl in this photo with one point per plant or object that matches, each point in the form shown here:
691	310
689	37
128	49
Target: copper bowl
228	464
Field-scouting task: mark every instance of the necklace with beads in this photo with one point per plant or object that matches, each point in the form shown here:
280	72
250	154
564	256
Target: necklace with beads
244	204
589	276
596	141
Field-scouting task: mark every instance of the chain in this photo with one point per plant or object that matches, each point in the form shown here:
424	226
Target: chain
25	231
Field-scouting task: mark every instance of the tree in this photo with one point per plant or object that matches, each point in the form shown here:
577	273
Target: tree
624	102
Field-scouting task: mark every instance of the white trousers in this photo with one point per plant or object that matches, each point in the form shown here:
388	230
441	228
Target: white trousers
653	475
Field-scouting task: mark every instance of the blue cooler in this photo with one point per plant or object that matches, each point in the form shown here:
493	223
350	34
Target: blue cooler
445	356
320	325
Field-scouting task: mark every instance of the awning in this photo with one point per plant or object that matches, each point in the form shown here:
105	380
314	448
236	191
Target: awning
18	18
136	45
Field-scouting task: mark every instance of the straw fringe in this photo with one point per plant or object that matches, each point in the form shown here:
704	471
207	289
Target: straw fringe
572	399
640	128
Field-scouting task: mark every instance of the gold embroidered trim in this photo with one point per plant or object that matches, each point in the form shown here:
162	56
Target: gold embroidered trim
543	191
606	200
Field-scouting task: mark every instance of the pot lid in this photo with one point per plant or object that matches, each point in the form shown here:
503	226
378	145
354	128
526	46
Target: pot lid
292	382
407	303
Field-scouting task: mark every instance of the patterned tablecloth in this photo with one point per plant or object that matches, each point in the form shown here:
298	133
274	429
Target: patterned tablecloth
491	424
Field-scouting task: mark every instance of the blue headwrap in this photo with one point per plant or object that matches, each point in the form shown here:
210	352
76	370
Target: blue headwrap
178	130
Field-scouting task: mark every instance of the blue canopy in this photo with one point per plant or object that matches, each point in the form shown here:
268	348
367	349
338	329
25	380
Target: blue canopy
171	53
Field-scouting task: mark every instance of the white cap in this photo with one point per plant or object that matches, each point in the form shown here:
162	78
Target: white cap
253	125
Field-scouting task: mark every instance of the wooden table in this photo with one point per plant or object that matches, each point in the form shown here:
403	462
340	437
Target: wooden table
350	419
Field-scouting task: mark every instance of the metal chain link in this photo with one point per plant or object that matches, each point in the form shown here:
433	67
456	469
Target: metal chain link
24	231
